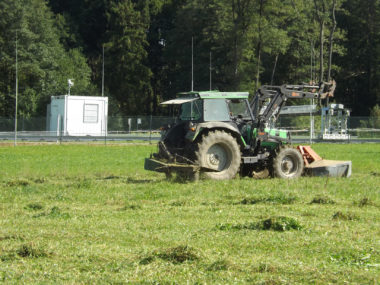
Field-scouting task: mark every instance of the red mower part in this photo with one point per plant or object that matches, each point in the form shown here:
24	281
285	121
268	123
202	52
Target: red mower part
308	154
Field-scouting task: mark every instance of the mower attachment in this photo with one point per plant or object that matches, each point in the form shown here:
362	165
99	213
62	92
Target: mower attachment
316	166
166	167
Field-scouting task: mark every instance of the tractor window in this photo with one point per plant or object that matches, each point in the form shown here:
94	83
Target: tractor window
238	108
216	110
191	111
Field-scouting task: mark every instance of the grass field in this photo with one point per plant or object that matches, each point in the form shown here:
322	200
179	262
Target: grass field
91	214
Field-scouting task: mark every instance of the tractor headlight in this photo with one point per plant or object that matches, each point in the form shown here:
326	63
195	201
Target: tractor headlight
192	127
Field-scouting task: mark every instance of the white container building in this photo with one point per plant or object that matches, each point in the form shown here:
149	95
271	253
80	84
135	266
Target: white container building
77	115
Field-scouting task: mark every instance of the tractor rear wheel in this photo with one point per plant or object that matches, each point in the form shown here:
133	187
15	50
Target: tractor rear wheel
288	163
220	153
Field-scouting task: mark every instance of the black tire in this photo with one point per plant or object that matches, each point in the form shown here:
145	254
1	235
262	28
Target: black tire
219	151
288	163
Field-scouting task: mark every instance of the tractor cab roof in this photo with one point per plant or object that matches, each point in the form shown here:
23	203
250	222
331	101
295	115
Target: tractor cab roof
185	97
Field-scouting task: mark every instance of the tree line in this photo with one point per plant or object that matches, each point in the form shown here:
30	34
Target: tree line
239	44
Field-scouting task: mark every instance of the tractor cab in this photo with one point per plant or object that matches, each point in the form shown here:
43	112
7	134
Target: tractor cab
211	106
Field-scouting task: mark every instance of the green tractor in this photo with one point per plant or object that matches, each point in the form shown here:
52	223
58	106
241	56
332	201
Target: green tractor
221	134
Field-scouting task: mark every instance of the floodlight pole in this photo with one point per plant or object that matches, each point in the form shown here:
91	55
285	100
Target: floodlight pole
15	141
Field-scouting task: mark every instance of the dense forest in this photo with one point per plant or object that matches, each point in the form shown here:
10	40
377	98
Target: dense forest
148	45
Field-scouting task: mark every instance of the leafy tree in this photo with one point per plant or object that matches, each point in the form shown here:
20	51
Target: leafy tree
375	116
359	76
206	22
128	76
44	65
148	48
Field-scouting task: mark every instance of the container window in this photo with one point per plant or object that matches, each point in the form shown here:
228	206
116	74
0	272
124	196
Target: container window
90	114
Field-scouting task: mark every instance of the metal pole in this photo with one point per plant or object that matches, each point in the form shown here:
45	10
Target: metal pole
311	62
311	100
15	142
192	63
103	74
210	71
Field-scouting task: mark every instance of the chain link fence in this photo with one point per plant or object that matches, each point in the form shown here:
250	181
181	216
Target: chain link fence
147	128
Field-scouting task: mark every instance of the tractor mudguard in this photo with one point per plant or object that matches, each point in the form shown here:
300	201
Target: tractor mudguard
193	135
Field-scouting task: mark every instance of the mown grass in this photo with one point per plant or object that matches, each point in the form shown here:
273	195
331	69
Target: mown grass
91	214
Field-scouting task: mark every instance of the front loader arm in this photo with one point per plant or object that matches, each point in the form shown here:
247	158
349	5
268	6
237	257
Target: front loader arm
278	95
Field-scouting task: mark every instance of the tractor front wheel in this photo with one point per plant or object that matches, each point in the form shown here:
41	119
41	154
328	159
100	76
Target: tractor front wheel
219	153
288	163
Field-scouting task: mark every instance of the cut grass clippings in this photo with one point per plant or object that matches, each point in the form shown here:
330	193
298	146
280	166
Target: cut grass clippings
29	250
275	199
365	202
321	199
279	224
175	255
34	206
55	212
24	251
344	216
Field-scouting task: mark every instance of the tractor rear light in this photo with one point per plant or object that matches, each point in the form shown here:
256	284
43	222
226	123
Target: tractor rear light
192	129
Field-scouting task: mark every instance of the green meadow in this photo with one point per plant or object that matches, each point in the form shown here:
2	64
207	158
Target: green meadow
91	214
